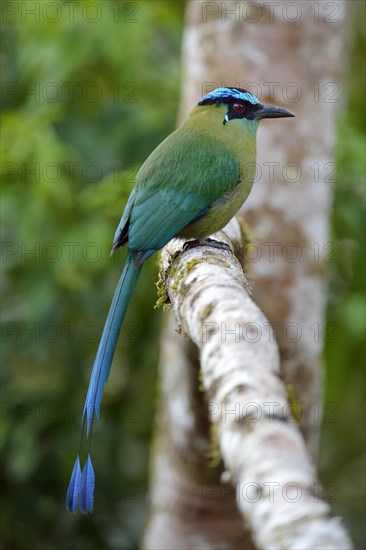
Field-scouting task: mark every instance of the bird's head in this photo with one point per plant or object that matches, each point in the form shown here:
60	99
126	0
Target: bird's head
241	104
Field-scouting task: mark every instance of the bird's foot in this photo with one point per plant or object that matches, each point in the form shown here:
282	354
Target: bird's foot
206	242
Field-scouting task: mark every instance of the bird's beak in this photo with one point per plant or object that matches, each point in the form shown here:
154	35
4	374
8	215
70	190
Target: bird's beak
271	111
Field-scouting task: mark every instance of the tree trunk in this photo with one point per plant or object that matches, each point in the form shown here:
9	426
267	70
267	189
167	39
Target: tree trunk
290	54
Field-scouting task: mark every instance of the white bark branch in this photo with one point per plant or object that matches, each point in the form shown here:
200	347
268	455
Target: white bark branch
260	443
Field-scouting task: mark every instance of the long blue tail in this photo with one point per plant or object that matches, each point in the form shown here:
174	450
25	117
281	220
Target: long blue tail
81	487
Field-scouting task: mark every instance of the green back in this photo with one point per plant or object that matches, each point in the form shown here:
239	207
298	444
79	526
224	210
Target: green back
176	185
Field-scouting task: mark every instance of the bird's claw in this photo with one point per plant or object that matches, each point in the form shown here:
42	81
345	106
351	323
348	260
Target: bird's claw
206	242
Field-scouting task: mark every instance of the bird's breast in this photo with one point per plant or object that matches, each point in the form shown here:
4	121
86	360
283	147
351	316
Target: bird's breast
219	213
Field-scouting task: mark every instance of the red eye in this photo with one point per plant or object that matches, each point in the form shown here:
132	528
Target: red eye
238	107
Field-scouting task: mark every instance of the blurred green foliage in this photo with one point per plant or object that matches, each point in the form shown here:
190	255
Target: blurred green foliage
84	103
88	91
342	452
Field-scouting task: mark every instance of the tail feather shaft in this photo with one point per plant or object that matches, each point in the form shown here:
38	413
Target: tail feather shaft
108	342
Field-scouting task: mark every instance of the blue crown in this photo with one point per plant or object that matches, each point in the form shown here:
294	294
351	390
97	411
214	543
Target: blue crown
227	95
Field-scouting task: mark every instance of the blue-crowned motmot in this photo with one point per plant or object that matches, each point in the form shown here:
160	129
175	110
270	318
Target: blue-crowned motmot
190	186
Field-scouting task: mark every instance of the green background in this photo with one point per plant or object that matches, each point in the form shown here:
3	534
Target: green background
85	98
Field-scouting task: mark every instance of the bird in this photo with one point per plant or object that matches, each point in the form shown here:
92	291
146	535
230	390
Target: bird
189	187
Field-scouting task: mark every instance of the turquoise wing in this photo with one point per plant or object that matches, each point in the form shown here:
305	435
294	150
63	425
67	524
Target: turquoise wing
176	185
